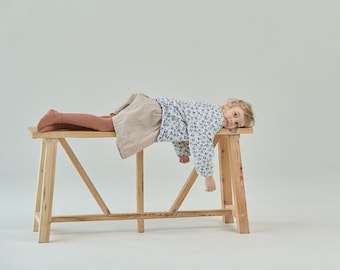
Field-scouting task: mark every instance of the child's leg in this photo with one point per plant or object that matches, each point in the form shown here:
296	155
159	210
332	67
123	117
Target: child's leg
77	119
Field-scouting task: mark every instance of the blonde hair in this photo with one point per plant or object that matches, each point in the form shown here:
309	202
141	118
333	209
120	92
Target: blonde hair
249	119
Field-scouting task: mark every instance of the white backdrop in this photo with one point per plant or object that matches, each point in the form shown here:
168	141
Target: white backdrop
89	56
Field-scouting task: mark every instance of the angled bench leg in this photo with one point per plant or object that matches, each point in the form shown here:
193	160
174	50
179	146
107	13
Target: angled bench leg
140	189
238	184
184	192
84	176
225	177
187	186
47	190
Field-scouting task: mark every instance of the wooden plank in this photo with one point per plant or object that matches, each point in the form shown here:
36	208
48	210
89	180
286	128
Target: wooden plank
239	131
100	134
145	215
69	134
84	176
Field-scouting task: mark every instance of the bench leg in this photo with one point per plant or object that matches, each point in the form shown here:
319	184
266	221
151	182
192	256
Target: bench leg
238	184
225	177
36	216
47	190
140	189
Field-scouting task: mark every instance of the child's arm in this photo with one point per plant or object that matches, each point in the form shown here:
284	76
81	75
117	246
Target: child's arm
182	148
210	183
184	159
183	151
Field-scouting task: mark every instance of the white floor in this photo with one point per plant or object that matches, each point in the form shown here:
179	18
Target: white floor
294	225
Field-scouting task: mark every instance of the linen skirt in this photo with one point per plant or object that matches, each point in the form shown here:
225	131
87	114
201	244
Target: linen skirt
137	123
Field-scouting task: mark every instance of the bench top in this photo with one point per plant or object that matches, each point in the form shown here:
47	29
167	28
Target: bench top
100	134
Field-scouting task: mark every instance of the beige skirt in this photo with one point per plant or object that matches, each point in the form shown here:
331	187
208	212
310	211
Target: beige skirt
137	123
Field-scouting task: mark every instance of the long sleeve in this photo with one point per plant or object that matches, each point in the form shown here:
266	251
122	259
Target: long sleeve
202	150
182	148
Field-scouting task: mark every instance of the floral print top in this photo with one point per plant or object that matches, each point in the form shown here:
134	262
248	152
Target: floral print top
191	127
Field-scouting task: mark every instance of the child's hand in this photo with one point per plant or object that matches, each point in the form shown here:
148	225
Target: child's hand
184	159
210	184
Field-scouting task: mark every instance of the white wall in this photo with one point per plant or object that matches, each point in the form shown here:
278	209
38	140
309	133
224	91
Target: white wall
89	56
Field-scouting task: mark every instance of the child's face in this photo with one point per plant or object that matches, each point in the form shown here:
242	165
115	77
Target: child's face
233	117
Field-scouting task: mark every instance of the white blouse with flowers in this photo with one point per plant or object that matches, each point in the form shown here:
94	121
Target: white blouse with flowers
191	127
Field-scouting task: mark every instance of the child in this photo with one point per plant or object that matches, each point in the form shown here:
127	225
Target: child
141	121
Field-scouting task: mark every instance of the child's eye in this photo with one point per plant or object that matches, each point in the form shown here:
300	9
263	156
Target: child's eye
236	123
235	115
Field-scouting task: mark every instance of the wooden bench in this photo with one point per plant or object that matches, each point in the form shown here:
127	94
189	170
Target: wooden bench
233	199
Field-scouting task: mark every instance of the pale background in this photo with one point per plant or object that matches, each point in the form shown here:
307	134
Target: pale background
89	56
